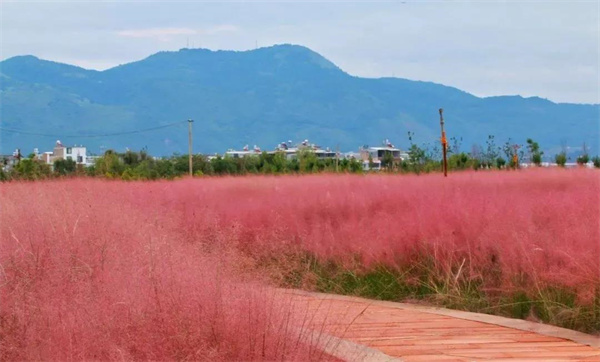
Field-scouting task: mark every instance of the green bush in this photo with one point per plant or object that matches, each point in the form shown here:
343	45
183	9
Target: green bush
561	159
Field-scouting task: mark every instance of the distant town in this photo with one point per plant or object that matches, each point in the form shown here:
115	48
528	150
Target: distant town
372	158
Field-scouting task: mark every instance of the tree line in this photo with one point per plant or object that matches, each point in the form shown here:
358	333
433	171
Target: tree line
141	165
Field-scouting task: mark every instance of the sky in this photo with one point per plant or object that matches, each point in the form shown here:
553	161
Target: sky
548	49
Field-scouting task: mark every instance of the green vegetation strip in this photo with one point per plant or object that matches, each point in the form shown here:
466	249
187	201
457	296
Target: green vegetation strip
422	284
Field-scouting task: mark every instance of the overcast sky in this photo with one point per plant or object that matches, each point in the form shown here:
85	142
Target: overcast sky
546	49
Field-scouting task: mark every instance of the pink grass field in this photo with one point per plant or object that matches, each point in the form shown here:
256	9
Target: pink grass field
109	270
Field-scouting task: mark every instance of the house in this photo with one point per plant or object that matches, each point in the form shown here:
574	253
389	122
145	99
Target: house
7	162
291	152
244	152
61	152
371	166
373	156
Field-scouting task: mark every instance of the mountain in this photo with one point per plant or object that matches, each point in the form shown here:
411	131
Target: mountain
262	97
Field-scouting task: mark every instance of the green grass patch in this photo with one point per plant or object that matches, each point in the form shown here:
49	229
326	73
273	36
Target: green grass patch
454	289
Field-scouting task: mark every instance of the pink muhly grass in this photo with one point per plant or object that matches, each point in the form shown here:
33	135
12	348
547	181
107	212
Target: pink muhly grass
95	269
85	275
542	224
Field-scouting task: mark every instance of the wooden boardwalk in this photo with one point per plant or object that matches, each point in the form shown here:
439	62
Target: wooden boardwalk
361	329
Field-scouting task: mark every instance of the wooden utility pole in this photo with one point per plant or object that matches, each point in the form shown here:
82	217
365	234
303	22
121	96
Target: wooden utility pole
444	144
515	158
190	121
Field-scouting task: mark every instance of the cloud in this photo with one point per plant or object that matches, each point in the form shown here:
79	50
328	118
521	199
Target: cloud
165	34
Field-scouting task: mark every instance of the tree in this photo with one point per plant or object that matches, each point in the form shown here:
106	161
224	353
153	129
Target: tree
109	165
561	159
534	152
308	161
584	157
491	155
64	167
459	161
416	158
596	161
131	158
500	162
31	169
388	161
455	145
355	166
279	162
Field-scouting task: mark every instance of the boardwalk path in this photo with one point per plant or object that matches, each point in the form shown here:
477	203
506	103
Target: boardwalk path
360	329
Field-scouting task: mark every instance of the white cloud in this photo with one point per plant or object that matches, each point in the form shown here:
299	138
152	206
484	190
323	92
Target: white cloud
549	49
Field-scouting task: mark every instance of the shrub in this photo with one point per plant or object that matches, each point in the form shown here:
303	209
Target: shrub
561	159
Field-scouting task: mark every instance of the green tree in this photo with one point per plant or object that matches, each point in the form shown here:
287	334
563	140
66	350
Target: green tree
308	161
131	158
371	162
31	169
279	162
388	161
584	157
355	166
596	161
500	162
64	167
416	158
491	154
459	161
109	165
561	159
535	154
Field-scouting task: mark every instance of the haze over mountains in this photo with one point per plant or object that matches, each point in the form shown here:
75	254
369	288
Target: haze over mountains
261	97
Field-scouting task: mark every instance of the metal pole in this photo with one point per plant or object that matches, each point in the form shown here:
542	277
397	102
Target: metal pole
190	121
444	144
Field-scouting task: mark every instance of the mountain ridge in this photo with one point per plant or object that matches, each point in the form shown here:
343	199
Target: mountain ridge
263	96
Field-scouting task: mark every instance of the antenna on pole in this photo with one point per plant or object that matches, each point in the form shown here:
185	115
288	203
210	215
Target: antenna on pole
444	144
190	121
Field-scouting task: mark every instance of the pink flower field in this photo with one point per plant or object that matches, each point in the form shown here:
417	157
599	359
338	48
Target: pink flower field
181	270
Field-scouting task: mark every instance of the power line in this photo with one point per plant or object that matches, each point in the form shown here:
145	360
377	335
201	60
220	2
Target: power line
90	135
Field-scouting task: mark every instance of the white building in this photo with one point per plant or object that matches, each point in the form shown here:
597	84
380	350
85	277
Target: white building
292	152
75	153
376	154
244	152
367	166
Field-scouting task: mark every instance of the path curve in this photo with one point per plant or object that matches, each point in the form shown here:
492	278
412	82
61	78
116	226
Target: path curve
369	330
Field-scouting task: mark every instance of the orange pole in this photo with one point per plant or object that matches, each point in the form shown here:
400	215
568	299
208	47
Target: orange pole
444	144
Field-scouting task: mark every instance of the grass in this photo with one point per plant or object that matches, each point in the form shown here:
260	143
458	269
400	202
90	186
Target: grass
96	269
553	305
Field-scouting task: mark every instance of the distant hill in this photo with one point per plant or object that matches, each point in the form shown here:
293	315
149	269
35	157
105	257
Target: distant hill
262	97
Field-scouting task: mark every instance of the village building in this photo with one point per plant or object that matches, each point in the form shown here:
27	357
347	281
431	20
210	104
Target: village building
372	157
244	152
291	152
62	152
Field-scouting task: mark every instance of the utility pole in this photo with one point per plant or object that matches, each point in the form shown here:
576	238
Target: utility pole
444	144
190	121
515	158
